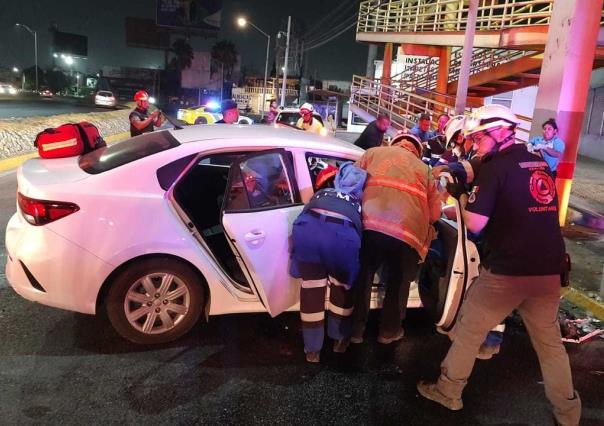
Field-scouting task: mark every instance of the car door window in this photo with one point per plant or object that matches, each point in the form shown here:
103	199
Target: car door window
263	181
318	162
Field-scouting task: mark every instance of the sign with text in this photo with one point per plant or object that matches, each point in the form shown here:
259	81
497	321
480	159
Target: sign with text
191	14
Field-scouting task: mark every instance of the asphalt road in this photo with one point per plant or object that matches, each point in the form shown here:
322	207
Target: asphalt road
58	367
28	107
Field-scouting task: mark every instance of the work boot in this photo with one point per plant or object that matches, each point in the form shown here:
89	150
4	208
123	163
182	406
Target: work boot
387	340
430	391
313	357
357	336
487	352
341	345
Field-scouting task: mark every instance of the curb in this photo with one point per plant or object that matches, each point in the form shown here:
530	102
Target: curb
14	162
580	299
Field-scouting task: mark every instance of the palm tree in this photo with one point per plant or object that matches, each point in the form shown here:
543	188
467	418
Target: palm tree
183	54
225	53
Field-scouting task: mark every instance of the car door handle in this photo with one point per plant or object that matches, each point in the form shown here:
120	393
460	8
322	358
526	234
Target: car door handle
255	238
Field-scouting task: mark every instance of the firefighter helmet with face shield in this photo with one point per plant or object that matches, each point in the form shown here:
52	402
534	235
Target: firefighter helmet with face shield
489	117
452	129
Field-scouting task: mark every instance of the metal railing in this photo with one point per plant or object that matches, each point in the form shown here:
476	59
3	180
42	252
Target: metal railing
259	89
424	76
403	107
450	15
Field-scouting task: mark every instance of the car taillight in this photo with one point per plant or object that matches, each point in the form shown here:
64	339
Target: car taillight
41	212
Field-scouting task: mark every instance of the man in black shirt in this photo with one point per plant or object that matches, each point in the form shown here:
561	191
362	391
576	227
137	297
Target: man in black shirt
514	200
230	112
140	119
373	133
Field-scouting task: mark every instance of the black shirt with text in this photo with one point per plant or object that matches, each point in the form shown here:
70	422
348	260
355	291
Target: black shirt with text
516	190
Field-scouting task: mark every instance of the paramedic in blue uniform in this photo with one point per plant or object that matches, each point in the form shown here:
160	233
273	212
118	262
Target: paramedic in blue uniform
549	146
140	119
514	200
326	239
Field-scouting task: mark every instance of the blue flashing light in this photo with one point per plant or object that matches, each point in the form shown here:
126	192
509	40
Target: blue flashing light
213	105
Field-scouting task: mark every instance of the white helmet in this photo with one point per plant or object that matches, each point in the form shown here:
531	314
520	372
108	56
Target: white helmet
489	117
453	127
307	106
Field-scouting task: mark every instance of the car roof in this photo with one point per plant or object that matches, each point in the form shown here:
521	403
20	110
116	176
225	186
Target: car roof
260	135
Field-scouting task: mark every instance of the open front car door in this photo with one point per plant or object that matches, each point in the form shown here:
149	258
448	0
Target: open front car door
450	268
259	209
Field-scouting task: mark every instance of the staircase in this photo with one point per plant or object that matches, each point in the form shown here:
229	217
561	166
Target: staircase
508	45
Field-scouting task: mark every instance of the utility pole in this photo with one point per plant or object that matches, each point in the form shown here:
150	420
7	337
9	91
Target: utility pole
32	32
283	86
466	59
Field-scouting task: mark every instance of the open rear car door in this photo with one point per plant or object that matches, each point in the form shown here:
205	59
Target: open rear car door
262	201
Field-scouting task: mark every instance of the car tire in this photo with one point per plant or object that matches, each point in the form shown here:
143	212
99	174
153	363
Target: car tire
201	120
166	315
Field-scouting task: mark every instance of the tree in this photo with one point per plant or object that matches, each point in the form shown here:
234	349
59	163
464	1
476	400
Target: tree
225	53
56	80
30	78
183	55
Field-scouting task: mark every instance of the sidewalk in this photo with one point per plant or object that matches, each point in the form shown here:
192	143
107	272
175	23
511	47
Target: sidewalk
584	235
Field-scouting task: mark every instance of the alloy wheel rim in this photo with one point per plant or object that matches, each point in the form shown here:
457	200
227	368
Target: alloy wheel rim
156	303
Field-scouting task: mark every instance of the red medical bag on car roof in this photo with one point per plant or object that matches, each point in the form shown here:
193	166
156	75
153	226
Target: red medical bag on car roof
68	140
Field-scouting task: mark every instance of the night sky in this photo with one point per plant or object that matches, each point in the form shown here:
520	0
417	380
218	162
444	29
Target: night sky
103	23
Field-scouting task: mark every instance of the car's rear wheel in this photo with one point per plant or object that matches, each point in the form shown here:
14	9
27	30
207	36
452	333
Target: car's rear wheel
155	300
201	120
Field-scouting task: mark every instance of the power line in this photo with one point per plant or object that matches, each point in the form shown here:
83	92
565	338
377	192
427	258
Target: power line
343	5
333	30
331	38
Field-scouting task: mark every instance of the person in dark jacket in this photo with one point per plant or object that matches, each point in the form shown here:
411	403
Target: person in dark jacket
141	121
326	239
374	133
230	113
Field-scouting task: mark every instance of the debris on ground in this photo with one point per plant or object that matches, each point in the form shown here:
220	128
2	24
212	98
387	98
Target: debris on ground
578	330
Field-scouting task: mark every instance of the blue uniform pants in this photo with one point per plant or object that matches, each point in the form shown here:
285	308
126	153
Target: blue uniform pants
325	251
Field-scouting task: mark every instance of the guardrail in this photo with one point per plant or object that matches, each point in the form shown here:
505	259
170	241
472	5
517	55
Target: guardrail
450	15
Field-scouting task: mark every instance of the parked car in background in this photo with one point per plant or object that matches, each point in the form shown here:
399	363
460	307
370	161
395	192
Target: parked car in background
105	98
201	114
7	89
245	120
46	93
170	226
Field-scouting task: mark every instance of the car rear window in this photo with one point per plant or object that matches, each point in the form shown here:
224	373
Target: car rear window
108	158
105	93
290	118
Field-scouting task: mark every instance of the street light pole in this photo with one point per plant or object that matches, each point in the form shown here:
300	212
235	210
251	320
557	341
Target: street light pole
289	22
242	22
32	32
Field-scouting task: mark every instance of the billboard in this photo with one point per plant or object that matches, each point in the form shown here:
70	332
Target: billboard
142	32
71	44
191	14
198	75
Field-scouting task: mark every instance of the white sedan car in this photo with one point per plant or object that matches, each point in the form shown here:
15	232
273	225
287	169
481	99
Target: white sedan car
163	228
105	98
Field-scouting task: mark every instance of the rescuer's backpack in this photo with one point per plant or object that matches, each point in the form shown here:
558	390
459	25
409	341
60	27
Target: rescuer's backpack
68	140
